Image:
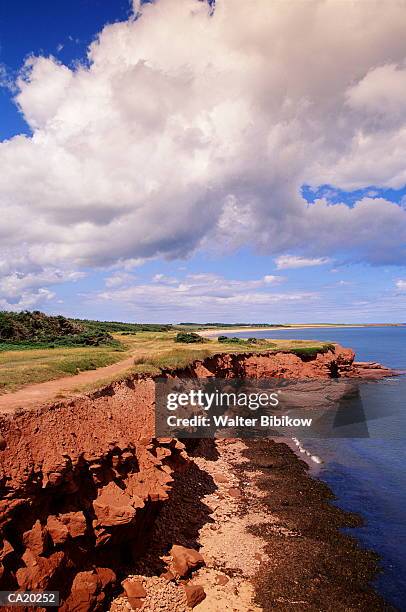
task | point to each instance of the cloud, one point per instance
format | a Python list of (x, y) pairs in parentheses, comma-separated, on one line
[(272, 278), (27, 300), (401, 285), (118, 279), (24, 284), (380, 95), (189, 128), (292, 261), (200, 295)]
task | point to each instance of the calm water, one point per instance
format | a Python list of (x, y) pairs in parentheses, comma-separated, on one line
[(369, 475)]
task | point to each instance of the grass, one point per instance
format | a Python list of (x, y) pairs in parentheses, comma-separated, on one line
[(20, 368), (152, 352)]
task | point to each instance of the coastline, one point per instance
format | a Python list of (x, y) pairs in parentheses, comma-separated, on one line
[(266, 529), (207, 333), (268, 533)]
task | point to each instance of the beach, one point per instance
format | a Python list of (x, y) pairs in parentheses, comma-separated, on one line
[(268, 534)]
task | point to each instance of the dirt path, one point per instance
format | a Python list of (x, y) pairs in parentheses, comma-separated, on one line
[(42, 393)]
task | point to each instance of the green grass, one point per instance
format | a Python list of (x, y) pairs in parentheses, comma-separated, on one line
[(21, 368), (311, 351), (173, 359), (152, 352)]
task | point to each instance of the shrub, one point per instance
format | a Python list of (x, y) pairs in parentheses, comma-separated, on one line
[(232, 340), (35, 329), (188, 338)]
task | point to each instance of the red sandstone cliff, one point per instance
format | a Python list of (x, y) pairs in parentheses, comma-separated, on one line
[(82, 480)]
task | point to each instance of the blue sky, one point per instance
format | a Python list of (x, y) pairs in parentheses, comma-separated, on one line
[(62, 29), (168, 174)]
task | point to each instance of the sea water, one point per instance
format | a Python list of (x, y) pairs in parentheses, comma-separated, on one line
[(368, 476)]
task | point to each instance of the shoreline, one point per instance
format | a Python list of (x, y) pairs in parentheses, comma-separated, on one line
[(327, 568), (268, 533), (206, 333), (250, 507)]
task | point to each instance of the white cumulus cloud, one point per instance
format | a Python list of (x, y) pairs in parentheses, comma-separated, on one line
[(189, 127)]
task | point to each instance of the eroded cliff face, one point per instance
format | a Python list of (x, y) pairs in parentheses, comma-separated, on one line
[(83, 480)]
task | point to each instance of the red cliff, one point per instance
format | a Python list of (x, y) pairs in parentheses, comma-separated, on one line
[(83, 480)]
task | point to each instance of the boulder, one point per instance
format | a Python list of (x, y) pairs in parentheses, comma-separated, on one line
[(87, 591), (113, 507), (57, 530), (184, 560), (35, 539), (75, 523), (134, 589), (168, 576), (38, 570), (194, 594), (234, 492)]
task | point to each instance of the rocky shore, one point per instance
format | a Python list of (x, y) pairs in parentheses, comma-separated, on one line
[(94, 506), (268, 537)]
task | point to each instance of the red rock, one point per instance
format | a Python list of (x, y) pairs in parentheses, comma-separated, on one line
[(113, 506), (220, 478), (75, 523), (87, 592), (222, 579), (135, 602), (57, 530), (106, 576), (34, 539), (184, 560), (53, 478), (234, 492), (194, 594), (168, 576), (202, 371), (135, 592), (6, 550), (134, 588), (88, 582), (84, 593), (162, 452), (38, 570)]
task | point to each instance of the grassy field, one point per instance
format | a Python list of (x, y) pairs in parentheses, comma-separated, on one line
[(19, 368), (151, 351)]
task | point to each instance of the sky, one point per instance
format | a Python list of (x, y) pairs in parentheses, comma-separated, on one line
[(186, 161)]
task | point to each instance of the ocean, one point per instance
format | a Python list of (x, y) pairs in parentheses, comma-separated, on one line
[(368, 476)]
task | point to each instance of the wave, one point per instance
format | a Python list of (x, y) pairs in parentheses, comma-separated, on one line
[(302, 449)]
